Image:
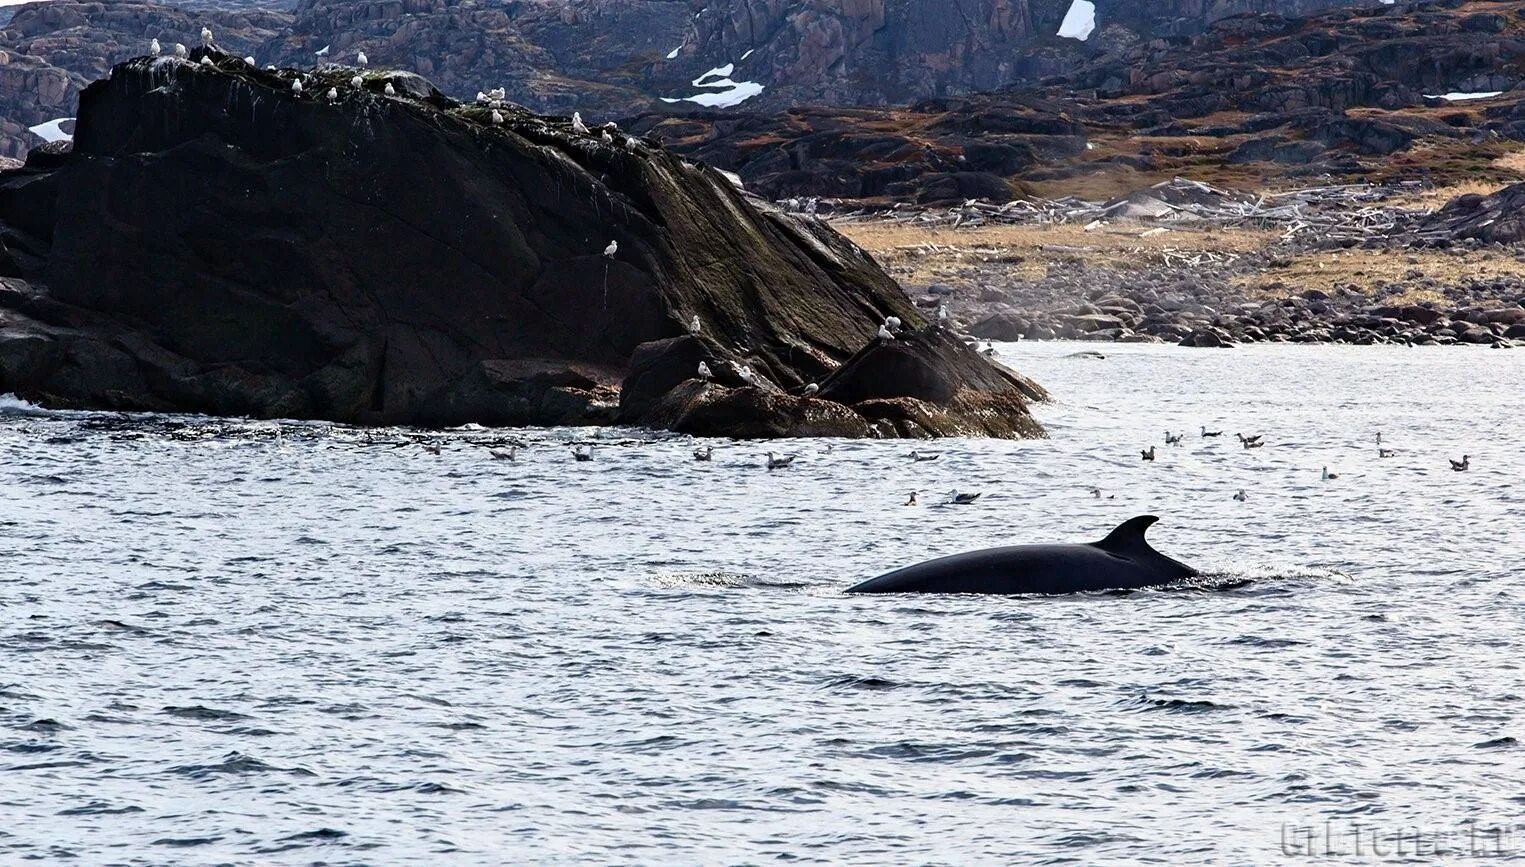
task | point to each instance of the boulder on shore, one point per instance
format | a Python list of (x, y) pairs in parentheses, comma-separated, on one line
[(221, 241)]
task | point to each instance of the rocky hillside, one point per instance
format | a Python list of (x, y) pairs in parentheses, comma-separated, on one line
[(359, 247), (1256, 99), (609, 58)]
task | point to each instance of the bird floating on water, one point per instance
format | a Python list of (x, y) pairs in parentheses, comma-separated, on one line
[(1328, 475), (1386, 453), (154, 48), (389, 90), (1462, 465), (705, 372), (884, 333), (361, 59), (1379, 438), (1241, 496), (1253, 443), (1147, 454), (206, 36), (911, 501), (778, 462), (1247, 440), (496, 117), (1096, 492), (811, 389), (507, 454), (582, 453), (609, 251), (1173, 439), (433, 448), (923, 457), (957, 499), (1211, 433), (357, 82), (577, 125), (180, 50), (704, 454)]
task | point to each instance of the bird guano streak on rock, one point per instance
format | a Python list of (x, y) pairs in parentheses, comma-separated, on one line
[(406, 260)]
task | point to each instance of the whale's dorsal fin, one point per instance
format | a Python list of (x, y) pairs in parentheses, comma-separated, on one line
[(1128, 538)]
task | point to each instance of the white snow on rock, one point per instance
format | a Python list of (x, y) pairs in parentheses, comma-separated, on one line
[(674, 53), (723, 92), (748, 54), (53, 130), (1458, 97), (1080, 21)]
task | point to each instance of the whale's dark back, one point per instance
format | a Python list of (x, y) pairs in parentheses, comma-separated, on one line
[(1123, 560)]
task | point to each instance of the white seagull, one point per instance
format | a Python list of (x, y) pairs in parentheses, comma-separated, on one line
[(1328, 475), (357, 81), (296, 86), (389, 90), (206, 36), (180, 50), (333, 94), (942, 314), (498, 93), (694, 325), (745, 372), (893, 322), (884, 333), (249, 60), (609, 251), (361, 59), (496, 117), (577, 125), (154, 48), (606, 138), (630, 143), (811, 388), (704, 371)]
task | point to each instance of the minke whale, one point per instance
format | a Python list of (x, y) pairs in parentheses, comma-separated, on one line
[(1122, 561)]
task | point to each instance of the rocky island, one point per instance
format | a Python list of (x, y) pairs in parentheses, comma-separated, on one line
[(355, 246)]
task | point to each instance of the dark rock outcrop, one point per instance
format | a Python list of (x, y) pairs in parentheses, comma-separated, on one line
[(220, 241), (1493, 219)]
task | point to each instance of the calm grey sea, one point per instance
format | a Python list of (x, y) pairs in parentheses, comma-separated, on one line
[(228, 642)]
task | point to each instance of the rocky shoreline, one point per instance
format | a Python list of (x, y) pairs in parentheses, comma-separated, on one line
[(1428, 278)]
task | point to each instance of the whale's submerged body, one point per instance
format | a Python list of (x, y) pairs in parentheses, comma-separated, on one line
[(1122, 561)]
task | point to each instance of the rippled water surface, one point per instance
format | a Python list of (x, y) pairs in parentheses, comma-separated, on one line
[(230, 642)]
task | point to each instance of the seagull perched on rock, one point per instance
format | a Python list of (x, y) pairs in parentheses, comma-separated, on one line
[(609, 251), (694, 325), (296, 87), (892, 323), (206, 36), (357, 82), (606, 138), (957, 499), (154, 48), (704, 371), (249, 60), (811, 389), (1462, 465), (496, 117), (884, 333), (180, 50), (361, 59), (630, 143), (389, 90), (778, 462), (577, 125), (206, 60), (507, 454), (333, 94), (498, 94), (942, 314), (704, 454), (745, 372)]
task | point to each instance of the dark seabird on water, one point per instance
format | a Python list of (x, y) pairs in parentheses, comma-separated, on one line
[(1462, 465), (959, 499), (704, 454), (778, 462), (1148, 454)]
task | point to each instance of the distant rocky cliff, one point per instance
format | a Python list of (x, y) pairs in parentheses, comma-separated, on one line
[(608, 58)]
